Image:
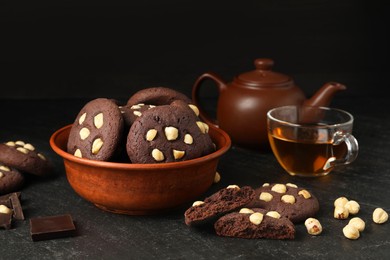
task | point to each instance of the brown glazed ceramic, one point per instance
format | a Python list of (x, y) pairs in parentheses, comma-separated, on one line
[(243, 104), (140, 189)]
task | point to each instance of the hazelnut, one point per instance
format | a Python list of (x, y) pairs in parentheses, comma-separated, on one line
[(246, 211), (41, 156), (157, 155), (266, 184), (137, 113), (204, 128), (380, 216), (82, 118), (201, 126), (197, 203), (29, 147), (97, 145), (4, 168), (10, 143), (265, 196), (22, 150), (151, 134), (351, 232), (233, 187), (188, 139), (291, 185), (313, 226), (352, 206), (98, 120), (5, 210), (217, 177), (357, 223), (305, 194), (21, 143), (84, 133), (279, 188), (77, 153), (341, 212), (273, 214), (195, 109), (256, 218), (138, 106), (340, 201), (178, 154), (288, 199), (171, 133)]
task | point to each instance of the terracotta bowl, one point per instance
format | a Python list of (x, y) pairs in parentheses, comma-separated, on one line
[(140, 189)]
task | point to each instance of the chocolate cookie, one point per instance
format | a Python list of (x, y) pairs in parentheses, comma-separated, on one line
[(168, 133), (151, 97), (10, 179), (292, 202), (221, 202), (97, 130), (24, 157), (255, 223), (157, 96), (131, 112)]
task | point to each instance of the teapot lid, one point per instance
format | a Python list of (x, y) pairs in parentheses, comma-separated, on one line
[(263, 76)]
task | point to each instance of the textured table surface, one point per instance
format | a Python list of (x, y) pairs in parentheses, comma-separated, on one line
[(103, 235)]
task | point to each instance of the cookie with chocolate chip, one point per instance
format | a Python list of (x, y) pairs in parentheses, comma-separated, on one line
[(97, 131), (223, 201), (10, 179), (168, 133), (289, 200), (24, 157)]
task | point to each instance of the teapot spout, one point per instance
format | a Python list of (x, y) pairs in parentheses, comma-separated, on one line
[(325, 94)]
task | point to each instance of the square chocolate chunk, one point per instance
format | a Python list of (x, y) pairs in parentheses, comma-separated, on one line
[(51, 227)]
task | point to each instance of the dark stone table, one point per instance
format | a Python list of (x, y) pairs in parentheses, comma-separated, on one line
[(103, 235)]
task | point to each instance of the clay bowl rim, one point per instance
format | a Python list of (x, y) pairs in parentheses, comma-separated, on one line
[(137, 166)]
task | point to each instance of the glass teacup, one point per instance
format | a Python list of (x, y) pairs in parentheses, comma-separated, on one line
[(311, 141)]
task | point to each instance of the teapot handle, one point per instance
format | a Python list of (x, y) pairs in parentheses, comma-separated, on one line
[(195, 95)]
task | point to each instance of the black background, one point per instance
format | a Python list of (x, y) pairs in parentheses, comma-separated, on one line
[(71, 49)]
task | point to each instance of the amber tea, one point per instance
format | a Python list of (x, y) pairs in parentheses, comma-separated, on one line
[(305, 158), (311, 141)]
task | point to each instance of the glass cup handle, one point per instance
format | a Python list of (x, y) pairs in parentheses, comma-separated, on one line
[(352, 149)]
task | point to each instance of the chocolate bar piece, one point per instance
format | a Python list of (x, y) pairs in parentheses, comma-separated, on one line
[(16, 206), (5, 220), (51, 227), (7, 196), (11, 201)]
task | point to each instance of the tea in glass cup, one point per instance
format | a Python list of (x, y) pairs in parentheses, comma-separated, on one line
[(311, 141)]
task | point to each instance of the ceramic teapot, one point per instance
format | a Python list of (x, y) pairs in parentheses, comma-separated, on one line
[(243, 103)]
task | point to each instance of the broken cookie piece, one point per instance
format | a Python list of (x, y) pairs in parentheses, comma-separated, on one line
[(255, 223), (221, 202)]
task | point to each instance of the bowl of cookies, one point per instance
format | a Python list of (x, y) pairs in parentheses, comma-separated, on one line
[(147, 156)]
